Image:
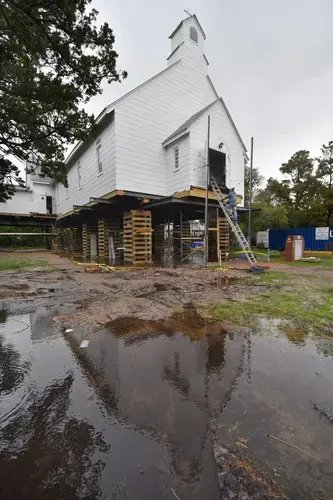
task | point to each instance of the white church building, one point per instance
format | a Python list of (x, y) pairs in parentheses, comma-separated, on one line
[(154, 137), (150, 152)]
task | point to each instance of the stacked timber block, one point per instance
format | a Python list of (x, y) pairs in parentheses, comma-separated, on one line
[(89, 230), (85, 242), (138, 237), (109, 240), (223, 238), (159, 239), (76, 241)]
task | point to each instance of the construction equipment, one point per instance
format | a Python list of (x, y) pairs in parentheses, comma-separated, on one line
[(235, 228)]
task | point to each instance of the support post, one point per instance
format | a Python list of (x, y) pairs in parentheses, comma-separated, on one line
[(85, 243), (207, 186), (250, 192)]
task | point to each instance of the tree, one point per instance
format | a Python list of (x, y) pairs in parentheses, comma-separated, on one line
[(53, 59), (298, 173), (269, 217), (257, 180), (325, 174)]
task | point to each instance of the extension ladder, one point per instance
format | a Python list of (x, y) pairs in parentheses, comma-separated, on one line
[(235, 227)]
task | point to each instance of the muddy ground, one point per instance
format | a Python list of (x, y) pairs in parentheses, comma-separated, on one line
[(212, 410), (152, 294)]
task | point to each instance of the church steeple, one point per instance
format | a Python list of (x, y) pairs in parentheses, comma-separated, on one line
[(188, 40)]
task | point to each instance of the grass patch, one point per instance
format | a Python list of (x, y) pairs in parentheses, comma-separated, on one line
[(303, 311), (17, 263), (277, 277), (275, 256), (326, 262)]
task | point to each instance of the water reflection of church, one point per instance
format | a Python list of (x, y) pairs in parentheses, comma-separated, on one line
[(168, 386)]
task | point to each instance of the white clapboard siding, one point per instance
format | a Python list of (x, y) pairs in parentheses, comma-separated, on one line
[(92, 183), (178, 180), (221, 131), (34, 200), (147, 117)]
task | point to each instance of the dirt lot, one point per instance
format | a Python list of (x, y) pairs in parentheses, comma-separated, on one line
[(151, 294), (225, 375)]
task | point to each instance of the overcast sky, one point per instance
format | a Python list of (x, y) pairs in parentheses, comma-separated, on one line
[(272, 62)]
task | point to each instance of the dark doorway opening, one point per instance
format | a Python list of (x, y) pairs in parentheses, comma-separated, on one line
[(217, 164), (49, 205)]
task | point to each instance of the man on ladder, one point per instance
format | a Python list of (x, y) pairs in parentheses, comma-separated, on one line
[(231, 206)]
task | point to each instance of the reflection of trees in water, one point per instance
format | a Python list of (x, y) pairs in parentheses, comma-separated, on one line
[(12, 371), (55, 456)]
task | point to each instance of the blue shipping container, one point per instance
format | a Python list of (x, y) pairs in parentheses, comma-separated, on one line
[(277, 238)]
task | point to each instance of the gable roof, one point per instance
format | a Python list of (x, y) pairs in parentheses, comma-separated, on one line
[(182, 22), (110, 108), (184, 127), (227, 112), (188, 123)]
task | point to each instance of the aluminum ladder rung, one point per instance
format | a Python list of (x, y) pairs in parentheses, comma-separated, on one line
[(235, 227)]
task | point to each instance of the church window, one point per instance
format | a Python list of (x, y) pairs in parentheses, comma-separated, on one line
[(176, 157), (193, 34)]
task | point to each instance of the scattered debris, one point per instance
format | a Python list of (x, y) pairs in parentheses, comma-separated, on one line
[(84, 343), (294, 446), (173, 491), (239, 443), (239, 479), (322, 412)]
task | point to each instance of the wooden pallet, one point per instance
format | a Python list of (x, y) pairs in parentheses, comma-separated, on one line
[(108, 228), (76, 240), (137, 237), (223, 239), (85, 242)]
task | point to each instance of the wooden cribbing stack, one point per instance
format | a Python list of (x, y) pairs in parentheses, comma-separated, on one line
[(222, 238), (108, 227), (138, 237)]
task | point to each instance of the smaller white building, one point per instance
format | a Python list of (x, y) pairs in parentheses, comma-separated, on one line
[(37, 197)]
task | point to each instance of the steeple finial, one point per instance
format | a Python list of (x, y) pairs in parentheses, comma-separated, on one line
[(187, 11)]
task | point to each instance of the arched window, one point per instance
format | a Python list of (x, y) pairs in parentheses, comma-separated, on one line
[(193, 34)]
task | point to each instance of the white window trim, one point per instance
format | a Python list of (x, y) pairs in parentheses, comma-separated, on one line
[(176, 158), (79, 176), (196, 43), (98, 155)]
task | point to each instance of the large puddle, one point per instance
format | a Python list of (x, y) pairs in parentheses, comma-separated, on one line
[(129, 416)]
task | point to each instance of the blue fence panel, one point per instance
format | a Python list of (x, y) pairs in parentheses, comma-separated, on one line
[(277, 238)]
